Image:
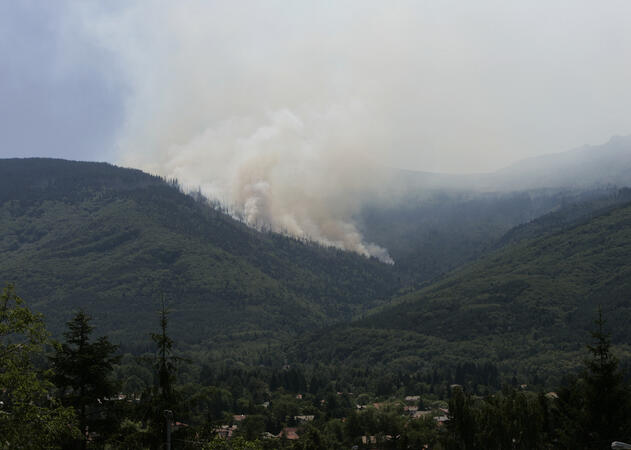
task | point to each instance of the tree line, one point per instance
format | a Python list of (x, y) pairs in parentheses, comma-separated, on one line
[(66, 395)]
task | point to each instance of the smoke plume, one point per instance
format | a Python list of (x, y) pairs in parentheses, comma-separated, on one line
[(264, 129), (284, 110), (277, 171)]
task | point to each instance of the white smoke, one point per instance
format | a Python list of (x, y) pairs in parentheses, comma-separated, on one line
[(279, 171), (282, 109), (285, 144)]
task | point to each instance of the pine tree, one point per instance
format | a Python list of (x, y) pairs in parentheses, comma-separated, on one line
[(462, 421), (607, 400), (165, 362), (161, 401), (83, 371), (594, 409)]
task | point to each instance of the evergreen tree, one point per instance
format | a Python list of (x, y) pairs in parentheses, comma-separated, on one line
[(165, 362), (462, 421), (594, 409), (607, 401), (161, 402), (83, 371)]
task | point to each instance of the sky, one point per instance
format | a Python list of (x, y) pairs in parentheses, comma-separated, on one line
[(439, 86), (281, 108)]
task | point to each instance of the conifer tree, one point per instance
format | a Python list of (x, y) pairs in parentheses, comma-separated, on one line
[(161, 403), (83, 371), (607, 400), (461, 424), (165, 362), (594, 409)]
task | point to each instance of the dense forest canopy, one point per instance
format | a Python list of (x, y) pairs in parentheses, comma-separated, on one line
[(270, 335)]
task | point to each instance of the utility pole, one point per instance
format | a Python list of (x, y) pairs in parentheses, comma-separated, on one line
[(168, 416)]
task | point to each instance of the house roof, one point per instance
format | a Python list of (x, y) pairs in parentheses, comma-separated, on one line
[(289, 433)]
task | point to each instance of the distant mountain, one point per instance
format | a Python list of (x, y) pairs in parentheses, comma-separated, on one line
[(591, 165), (433, 223), (113, 240), (431, 235), (527, 306), (586, 167)]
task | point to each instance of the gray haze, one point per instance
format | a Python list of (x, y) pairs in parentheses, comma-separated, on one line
[(285, 109)]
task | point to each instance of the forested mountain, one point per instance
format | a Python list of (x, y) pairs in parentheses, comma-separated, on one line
[(265, 319), (432, 223), (526, 306), (432, 233), (113, 241)]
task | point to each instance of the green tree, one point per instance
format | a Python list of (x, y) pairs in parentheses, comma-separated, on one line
[(162, 396), (311, 438), (420, 432), (461, 425), (594, 409), (607, 402), (252, 426), (29, 418), (237, 443), (512, 420), (82, 374), (165, 362)]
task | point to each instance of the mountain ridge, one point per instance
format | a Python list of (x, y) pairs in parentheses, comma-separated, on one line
[(70, 239), (525, 306)]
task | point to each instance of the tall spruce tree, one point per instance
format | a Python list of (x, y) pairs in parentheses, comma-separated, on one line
[(162, 397), (594, 409), (165, 362), (82, 373), (607, 400), (462, 421)]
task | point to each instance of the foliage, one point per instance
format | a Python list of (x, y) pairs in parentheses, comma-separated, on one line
[(88, 235), (237, 443), (507, 420), (435, 231), (590, 411), (523, 307), (82, 374), (80, 231), (595, 408), (265, 319), (165, 362), (160, 404), (28, 417)]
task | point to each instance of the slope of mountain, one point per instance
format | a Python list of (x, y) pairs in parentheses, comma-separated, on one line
[(430, 236), (527, 306), (112, 241), (433, 223)]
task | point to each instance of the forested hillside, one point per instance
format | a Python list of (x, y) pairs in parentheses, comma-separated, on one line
[(433, 223), (430, 233), (525, 306), (264, 319), (113, 241)]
